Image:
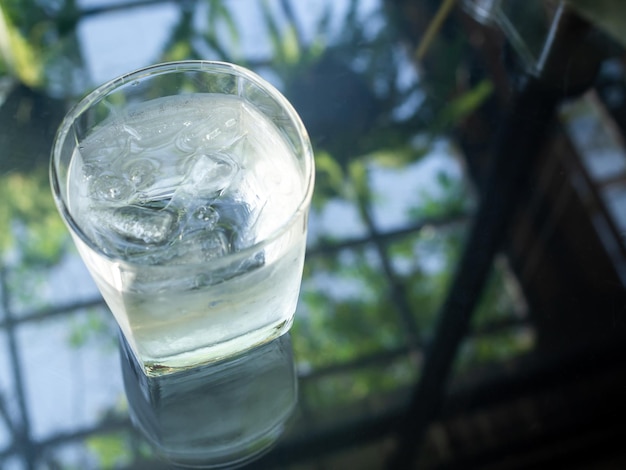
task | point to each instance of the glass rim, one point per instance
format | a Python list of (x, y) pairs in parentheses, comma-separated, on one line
[(106, 88)]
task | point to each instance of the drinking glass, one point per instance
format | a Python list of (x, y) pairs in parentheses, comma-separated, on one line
[(186, 188)]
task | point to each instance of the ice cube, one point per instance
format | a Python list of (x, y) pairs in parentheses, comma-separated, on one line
[(201, 245), (213, 230), (214, 131), (212, 277), (142, 224), (213, 173), (111, 188), (106, 146), (89, 171), (141, 172), (207, 176), (215, 244), (237, 219)]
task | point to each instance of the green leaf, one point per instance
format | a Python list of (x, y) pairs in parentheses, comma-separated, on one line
[(222, 13), (111, 450), (219, 14), (608, 15), (398, 156), (274, 33), (27, 204), (290, 45), (19, 53), (329, 174), (77, 338), (359, 179), (179, 50), (463, 106)]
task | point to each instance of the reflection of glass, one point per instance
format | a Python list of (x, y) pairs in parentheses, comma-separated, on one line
[(222, 414), (186, 188)]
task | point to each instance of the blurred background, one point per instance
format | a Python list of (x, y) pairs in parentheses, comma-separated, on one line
[(463, 302)]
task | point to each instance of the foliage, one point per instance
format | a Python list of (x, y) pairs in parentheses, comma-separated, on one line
[(462, 106), (110, 450), (346, 311), (17, 55), (96, 327), (356, 385), (501, 298), (34, 39), (425, 262), (608, 15), (451, 199), (494, 348), (34, 228)]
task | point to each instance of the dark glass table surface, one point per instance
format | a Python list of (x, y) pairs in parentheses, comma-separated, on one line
[(463, 301)]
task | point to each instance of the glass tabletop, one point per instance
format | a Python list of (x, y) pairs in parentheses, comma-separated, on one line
[(463, 302)]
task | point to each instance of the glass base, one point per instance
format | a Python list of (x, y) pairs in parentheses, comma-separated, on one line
[(213, 353)]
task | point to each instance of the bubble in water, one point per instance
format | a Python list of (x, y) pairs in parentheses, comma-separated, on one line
[(142, 173), (111, 188), (207, 215)]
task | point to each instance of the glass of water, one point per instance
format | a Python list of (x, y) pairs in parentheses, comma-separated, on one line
[(186, 189)]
